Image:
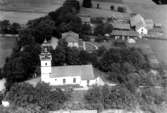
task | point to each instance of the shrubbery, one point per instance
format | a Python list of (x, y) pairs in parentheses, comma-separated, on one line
[(9, 28), (116, 98), (24, 95)]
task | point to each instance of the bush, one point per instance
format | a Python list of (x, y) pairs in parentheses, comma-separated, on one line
[(87, 3), (121, 9), (118, 97), (112, 7), (24, 95), (120, 43)]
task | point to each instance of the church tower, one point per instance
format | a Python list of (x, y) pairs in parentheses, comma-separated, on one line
[(46, 62)]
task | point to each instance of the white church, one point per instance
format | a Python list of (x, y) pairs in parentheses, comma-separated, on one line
[(81, 75)]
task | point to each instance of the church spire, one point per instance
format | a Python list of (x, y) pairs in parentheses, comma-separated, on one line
[(45, 50)]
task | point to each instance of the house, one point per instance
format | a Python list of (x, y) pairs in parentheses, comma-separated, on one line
[(141, 29), (71, 38), (138, 22), (122, 34), (80, 75)]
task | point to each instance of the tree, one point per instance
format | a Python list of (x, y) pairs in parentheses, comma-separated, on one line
[(87, 3), (73, 56), (25, 37), (59, 55), (24, 95), (117, 97), (111, 7), (72, 4), (4, 26), (99, 30), (86, 29), (94, 95), (42, 28), (121, 9), (14, 28), (107, 28)]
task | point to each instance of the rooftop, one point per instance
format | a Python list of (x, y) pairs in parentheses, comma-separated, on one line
[(85, 71), (121, 25), (124, 33)]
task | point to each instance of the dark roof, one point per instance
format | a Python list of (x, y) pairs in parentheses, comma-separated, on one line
[(124, 33), (121, 25)]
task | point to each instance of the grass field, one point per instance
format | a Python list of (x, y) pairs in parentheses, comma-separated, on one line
[(23, 10), (6, 46)]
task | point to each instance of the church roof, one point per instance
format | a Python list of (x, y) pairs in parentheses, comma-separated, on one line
[(86, 72)]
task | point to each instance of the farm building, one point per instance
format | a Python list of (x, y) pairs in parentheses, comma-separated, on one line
[(82, 75), (121, 26), (122, 34), (138, 22)]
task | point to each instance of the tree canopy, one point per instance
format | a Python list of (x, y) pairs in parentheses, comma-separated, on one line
[(24, 94)]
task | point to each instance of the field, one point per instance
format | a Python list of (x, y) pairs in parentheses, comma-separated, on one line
[(23, 10), (6, 46), (20, 17)]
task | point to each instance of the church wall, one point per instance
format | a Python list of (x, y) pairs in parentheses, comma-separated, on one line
[(68, 80), (73, 44), (45, 78)]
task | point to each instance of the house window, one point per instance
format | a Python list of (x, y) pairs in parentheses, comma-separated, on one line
[(64, 81), (74, 80), (55, 79), (45, 64)]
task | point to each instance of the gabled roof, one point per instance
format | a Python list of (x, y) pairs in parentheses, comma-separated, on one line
[(121, 26), (124, 33), (86, 72), (137, 20)]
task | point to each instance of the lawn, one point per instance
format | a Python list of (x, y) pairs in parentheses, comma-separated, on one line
[(20, 17), (6, 46), (31, 5)]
